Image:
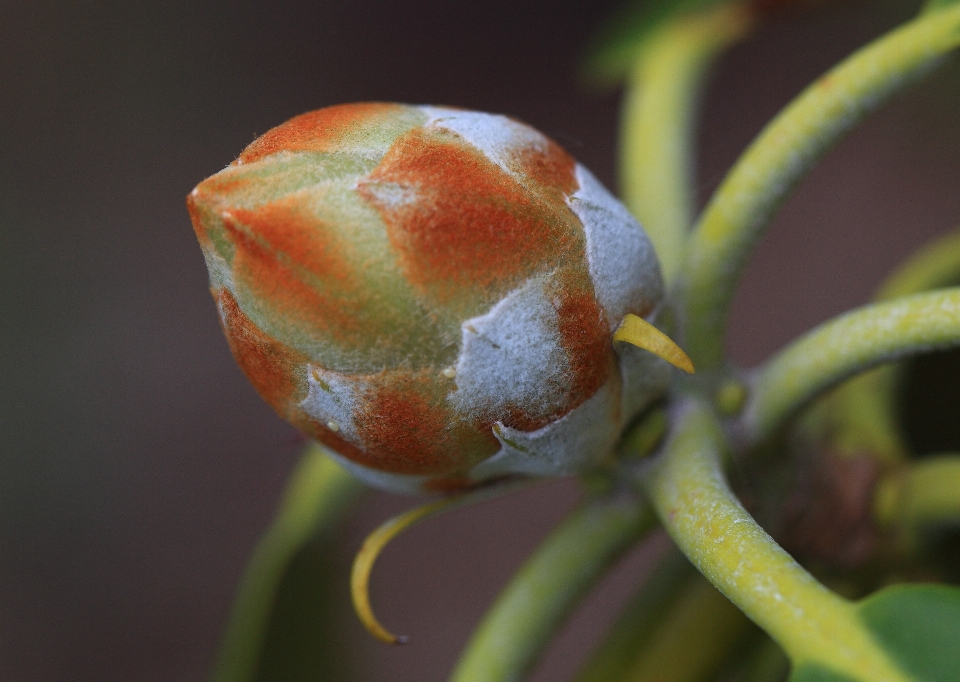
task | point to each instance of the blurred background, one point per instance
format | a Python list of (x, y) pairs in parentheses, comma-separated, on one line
[(138, 467)]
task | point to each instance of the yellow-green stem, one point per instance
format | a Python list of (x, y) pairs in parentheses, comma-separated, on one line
[(778, 159), (691, 496), (657, 123), (926, 492), (528, 612), (860, 416), (843, 346)]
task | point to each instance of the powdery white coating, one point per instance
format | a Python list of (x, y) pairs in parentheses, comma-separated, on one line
[(496, 136), (390, 194), (332, 397), (566, 446), (512, 355), (623, 265), (221, 275)]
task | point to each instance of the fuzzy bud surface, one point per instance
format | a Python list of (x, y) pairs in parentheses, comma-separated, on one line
[(430, 292)]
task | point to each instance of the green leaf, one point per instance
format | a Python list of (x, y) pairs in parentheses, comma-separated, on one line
[(277, 587), (809, 672), (304, 639), (916, 626), (934, 5), (615, 44), (919, 627)]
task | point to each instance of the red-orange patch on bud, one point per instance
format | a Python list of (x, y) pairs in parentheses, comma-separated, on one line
[(279, 251), (471, 224), (315, 131), (404, 433), (270, 366), (586, 339), (553, 168)]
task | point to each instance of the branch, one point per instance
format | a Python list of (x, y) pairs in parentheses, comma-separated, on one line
[(860, 416), (781, 156), (528, 612), (844, 346), (927, 492), (691, 496), (657, 122)]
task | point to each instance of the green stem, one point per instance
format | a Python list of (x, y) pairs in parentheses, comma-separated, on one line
[(844, 346), (860, 416), (926, 492), (691, 496), (651, 641), (528, 612), (779, 158), (316, 498), (934, 265), (657, 123), (610, 661)]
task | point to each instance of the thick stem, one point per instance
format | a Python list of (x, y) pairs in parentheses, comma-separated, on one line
[(657, 123), (691, 496), (316, 498), (528, 612), (781, 156), (844, 346)]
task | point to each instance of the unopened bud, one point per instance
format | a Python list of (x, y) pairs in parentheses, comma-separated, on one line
[(430, 292)]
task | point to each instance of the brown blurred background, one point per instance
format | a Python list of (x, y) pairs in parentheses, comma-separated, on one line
[(138, 467)]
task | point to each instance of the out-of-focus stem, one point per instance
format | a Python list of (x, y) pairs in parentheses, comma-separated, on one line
[(691, 496), (528, 612), (844, 346), (316, 499), (925, 492), (652, 640), (780, 157), (656, 147)]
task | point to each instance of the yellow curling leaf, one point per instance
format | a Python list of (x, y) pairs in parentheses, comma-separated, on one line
[(369, 551), (378, 539), (641, 333)]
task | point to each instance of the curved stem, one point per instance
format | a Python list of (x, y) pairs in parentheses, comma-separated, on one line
[(784, 152), (528, 612), (843, 346), (860, 416), (926, 492), (316, 498), (691, 496), (657, 121)]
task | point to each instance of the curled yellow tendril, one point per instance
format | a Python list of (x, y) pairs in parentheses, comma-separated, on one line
[(641, 333), (378, 539)]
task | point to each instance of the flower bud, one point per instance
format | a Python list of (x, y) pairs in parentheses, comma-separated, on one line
[(430, 292)]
